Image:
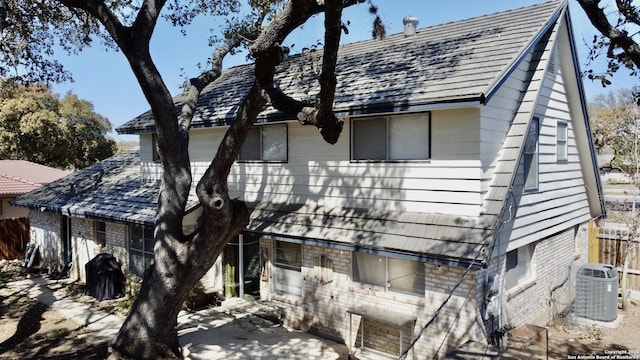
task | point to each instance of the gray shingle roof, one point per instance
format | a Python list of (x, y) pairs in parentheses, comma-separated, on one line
[(458, 61), (110, 189), (439, 235), (450, 62)]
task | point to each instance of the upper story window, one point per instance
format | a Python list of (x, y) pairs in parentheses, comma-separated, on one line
[(562, 148), (389, 274), (394, 137), (265, 143), (531, 162), (101, 233)]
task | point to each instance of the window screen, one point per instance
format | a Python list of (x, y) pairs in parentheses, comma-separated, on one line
[(265, 143), (370, 139), (287, 269), (396, 137), (391, 274)]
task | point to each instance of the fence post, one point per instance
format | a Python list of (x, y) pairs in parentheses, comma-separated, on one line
[(594, 242)]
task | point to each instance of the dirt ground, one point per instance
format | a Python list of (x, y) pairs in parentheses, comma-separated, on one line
[(571, 340), (30, 330)]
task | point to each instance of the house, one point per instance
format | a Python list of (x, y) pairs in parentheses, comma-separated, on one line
[(18, 177), (455, 204)]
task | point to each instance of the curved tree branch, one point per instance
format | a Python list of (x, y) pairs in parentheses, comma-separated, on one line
[(197, 84), (330, 126), (618, 38), (269, 54)]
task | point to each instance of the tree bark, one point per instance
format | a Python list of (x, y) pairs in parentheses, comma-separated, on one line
[(618, 38), (180, 260)]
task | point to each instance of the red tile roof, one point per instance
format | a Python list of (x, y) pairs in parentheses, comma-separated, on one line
[(20, 176)]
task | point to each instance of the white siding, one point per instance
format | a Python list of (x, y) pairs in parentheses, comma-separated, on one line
[(561, 199), (497, 116), (322, 174)]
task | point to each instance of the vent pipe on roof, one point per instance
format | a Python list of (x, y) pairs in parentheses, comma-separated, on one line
[(410, 23)]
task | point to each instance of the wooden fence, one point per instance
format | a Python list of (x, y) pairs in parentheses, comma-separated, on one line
[(14, 236), (608, 244)]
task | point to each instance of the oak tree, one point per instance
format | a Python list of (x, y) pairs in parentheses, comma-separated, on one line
[(181, 259), (37, 126)]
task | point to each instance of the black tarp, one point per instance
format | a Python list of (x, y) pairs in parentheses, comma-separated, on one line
[(105, 279)]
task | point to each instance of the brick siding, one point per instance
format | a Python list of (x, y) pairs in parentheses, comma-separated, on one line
[(556, 261), (322, 309)]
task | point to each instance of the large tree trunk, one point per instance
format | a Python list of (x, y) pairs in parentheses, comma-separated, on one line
[(149, 332)]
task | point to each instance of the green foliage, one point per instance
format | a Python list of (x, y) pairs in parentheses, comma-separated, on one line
[(615, 123), (37, 126)]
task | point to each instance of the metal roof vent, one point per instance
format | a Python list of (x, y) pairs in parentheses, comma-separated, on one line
[(410, 23)]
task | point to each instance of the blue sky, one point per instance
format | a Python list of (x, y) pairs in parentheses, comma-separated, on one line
[(105, 79)]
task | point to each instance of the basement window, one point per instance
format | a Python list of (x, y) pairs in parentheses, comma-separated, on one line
[(265, 143), (389, 274), (391, 138)]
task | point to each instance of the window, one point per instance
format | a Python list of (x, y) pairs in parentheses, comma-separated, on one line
[(390, 274), (287, 269), (398, 137), (141, 243), (519, 269), (531, 156), (265, 143), (101, 233), (562, 149), (154, 148), (322, 269)]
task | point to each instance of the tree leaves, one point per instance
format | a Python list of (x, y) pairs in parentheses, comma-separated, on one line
[(36, 126), (620, 41), (614, 124)]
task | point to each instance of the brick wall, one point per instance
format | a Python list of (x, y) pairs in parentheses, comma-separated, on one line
[(322, 309), (86, 248), (556, 261), (45, 232)]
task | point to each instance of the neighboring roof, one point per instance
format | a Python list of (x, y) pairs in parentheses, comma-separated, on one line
[(455, 62), (20, 176)]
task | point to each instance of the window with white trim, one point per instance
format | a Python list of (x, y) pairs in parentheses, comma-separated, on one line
[(265, 143), (287, 269), (531, 156), (395, 137), (562, 148), (519, 267), (389, 274), (141, 242)]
